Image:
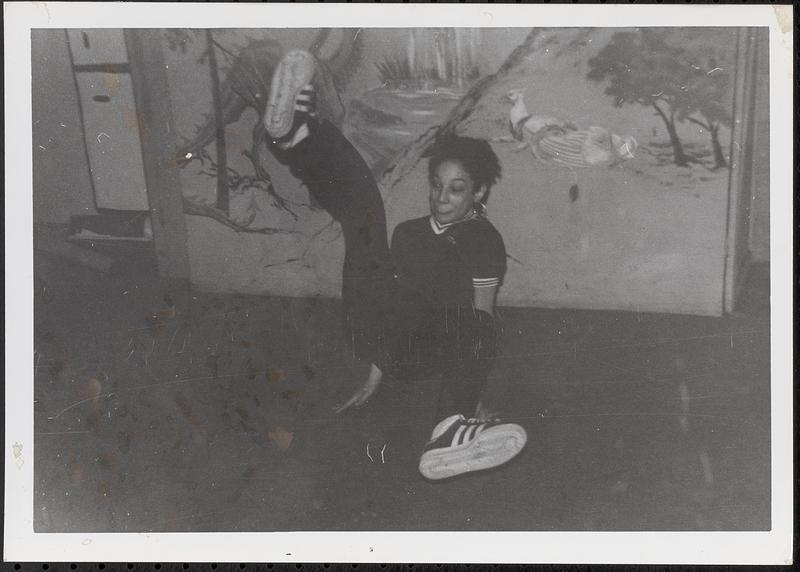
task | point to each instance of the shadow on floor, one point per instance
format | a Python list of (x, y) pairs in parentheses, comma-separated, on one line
[(160, 410)]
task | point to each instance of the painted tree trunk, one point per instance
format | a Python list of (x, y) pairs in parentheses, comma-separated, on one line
[(441, 66), (458, 59), (411, 54), (679, 155), (677, 147), (473, 46), (719, 156), (223, 199)]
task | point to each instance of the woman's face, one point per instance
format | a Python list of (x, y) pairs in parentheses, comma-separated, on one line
[(453, 192)]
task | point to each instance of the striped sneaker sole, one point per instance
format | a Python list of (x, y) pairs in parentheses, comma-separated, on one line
[(295, 71), (491, 448)]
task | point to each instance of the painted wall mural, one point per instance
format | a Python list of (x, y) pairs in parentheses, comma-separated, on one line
[(677, 73), (597, 129)]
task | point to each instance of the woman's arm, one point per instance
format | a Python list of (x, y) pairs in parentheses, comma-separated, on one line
[(362, 395), (484, 298)]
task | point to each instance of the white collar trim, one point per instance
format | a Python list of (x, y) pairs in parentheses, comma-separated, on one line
[(439, 228)]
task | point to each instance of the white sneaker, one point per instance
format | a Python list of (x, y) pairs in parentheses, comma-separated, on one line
[(460, 445), (290, 90)]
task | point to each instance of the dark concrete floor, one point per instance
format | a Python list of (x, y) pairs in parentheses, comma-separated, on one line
[(218, 417)]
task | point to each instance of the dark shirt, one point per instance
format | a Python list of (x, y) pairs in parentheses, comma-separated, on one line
[(442, 268)]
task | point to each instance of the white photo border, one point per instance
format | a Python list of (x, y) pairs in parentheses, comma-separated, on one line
[(22, 544)]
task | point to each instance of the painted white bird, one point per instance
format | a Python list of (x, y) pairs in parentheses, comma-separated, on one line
[(528, 128), (556, 140)]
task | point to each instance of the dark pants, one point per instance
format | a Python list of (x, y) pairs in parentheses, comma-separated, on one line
[(457, 342), (338, 180), (396, 330)]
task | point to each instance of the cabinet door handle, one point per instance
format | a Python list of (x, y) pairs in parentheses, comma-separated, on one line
[(85, 37), (101, 98)]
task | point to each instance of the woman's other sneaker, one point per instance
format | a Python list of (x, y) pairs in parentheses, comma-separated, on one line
[(460, 445)]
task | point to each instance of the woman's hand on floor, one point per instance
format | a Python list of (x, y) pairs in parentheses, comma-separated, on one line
[(367, 390)]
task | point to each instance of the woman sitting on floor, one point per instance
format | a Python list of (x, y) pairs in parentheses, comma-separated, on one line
[(435, 290)]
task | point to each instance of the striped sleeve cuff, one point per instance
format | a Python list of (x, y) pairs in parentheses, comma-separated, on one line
[(485, 282)]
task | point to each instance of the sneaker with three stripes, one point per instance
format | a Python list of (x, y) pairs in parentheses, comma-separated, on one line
[(459, 445), (291, 97)]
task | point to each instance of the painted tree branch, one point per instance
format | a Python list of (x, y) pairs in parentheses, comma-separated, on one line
[(199, 209), (412, 155), (223, 199), (246, 85), (265, 177), (700, 123)]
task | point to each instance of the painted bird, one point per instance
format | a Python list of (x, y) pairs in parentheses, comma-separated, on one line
[(555, 140), (528, 128)]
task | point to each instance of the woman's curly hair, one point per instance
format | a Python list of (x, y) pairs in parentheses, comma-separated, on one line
[(475, 155)]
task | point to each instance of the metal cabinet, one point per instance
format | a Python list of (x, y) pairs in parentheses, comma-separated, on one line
[(97, 46), (111, 124)]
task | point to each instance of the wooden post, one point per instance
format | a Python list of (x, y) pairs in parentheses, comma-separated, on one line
[(154, 112), (758, 238), (740, 187)]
